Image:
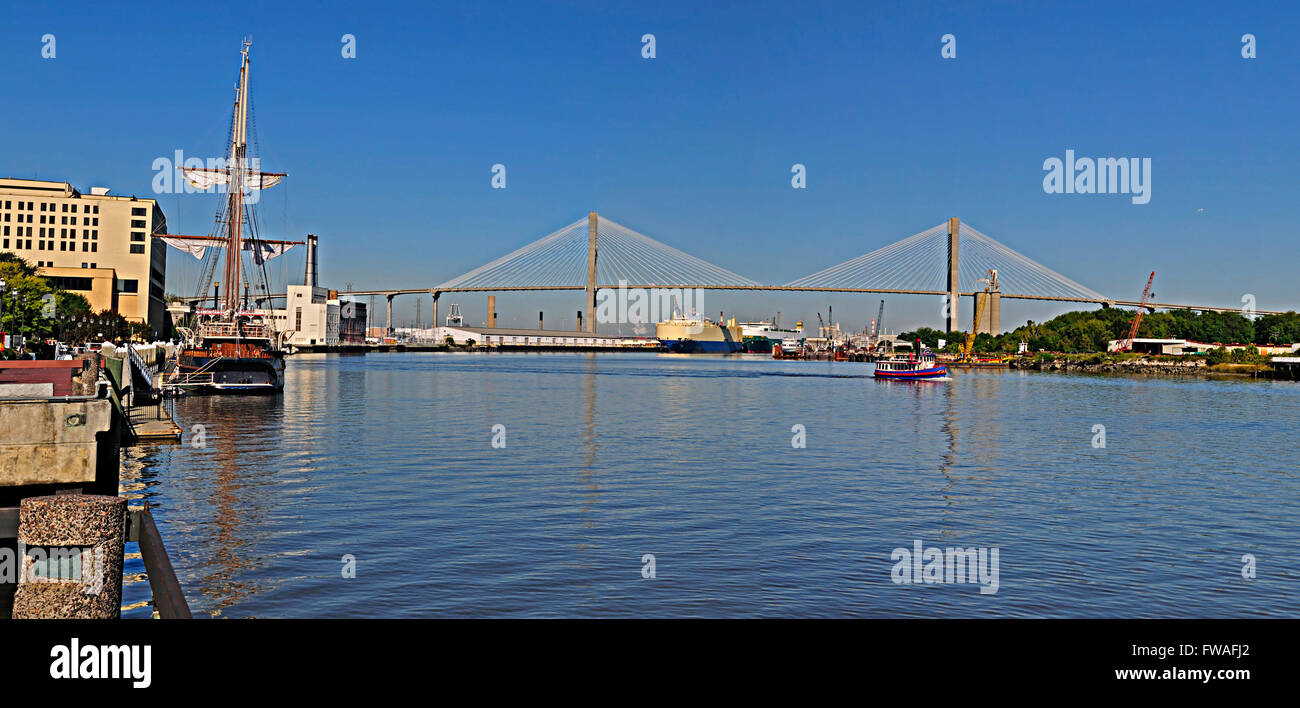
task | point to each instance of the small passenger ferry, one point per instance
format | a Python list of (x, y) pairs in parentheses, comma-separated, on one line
[(913, 367)]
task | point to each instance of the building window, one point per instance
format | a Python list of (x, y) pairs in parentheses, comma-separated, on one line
[(137, 223), (94, 248), (137, 211), (135, 247), (297, 320), (71, 283), (137, 236), (128, 286)]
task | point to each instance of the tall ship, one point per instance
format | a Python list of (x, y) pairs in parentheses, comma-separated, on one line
[(698, 335), (233, 346)]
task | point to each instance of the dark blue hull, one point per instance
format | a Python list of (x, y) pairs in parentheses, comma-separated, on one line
[(691, 346)]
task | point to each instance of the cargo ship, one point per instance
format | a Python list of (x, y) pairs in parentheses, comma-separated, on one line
[(697, 335), (760, 337)]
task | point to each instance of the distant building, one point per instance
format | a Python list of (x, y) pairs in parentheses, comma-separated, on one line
[(1179, 347), (352, 322), (310, 316), (97, 245)]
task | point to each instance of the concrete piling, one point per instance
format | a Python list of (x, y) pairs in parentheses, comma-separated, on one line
[(71, 564)]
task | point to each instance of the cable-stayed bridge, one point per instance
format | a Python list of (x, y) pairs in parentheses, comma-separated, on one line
[(949, 260)]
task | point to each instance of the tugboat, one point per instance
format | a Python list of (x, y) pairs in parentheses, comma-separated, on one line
[(232, 347), (915, 367)]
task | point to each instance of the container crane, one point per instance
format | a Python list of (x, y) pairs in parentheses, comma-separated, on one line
[(1126, 344)]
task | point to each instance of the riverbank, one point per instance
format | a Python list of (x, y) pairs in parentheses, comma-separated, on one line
[(1098, 363)]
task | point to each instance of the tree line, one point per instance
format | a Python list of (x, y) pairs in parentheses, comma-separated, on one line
[(1092, 330), (36, 309)]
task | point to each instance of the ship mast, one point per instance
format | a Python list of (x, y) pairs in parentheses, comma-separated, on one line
[(235, 192)]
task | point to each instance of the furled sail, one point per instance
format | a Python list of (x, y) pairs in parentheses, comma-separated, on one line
[(206, 178), (197, 246)]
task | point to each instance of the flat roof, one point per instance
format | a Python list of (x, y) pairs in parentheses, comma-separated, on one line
[(533, 332)]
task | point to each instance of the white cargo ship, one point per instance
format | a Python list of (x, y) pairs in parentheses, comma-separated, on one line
[(697, 335)]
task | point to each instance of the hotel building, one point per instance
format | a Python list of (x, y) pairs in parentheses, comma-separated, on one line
[(97, 245)]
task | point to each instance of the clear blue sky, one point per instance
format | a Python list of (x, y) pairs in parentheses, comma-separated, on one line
[(694, 148)]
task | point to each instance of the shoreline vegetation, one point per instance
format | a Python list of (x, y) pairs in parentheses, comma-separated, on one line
[(1128, 363), (1078, 341)]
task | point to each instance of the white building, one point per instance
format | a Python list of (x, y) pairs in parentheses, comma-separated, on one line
[(310, 318)]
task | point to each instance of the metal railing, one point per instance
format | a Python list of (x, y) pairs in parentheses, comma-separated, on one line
[(244, 331), (176, 379), (168, 599)]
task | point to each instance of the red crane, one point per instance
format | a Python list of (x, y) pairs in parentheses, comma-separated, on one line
[(1126, 343)]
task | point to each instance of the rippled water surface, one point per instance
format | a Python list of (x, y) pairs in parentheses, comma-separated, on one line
[(388, 458)]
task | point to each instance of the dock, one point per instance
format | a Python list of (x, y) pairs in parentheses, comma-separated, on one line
[(62, 424)]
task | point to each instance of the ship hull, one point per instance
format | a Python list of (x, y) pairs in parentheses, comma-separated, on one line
[(934, 372), (694, 346), (232, 375)]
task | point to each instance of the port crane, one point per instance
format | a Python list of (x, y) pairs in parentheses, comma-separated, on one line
[(990, 284), (1126, 344)]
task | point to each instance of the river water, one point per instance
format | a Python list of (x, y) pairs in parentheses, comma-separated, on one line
[(759, 487)]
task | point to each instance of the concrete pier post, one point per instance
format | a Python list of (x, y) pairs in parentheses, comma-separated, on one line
[(390, 313), (539, 321), (492, 311), (72, 565), (435, 309), (953, 325), (991, 319), (591, 272)]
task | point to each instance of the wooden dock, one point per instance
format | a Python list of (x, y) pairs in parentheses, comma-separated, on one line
[(152, 424)]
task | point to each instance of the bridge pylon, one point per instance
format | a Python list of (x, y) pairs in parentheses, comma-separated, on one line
[(954, 291), (590, 320)]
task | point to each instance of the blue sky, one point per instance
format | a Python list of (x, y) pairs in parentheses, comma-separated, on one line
[(695, 147)]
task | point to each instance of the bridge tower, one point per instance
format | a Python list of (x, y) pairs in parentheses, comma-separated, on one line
[(954, 226), (590, 320)]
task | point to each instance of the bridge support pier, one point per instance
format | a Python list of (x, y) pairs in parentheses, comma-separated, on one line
[(492, 311), (990, 321), (390, 313), (435, 308)]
